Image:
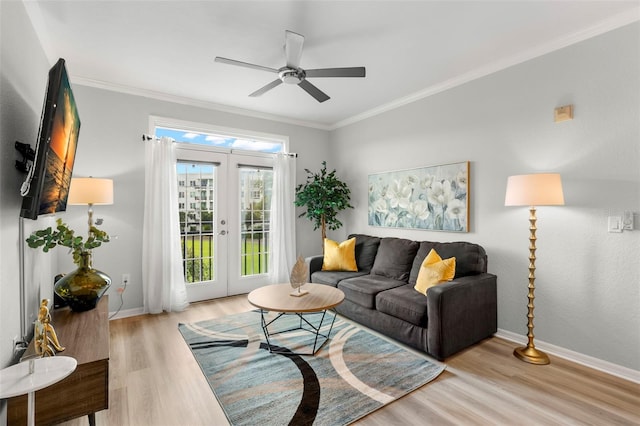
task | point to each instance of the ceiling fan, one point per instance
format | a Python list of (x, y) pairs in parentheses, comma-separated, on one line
[(291, 73)]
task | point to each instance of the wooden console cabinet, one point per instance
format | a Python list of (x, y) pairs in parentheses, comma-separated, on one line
[(85, 336)]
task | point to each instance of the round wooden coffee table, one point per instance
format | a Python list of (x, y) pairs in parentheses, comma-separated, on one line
[(277, 298)]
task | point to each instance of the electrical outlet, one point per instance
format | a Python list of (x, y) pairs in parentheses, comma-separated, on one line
[(126, 279)]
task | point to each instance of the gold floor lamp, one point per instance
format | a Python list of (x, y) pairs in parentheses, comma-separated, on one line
[(542, 189)]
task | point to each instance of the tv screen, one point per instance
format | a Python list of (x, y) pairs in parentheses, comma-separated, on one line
[(46, 188)]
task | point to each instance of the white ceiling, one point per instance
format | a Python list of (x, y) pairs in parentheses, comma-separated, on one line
[(410, 49)]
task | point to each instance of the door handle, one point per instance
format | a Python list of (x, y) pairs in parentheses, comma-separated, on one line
[(223, 232)]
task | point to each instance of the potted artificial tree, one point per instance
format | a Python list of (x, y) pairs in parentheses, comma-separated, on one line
[(324, 196)]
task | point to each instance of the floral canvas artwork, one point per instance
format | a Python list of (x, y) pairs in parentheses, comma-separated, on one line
[(431, 198)]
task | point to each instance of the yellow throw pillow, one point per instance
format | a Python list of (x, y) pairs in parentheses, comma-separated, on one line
[(434, 270), (340, 257), (432, 257)]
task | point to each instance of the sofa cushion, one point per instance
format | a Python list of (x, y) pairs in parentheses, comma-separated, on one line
[(339, 256), (471, 258), (333, 277), (435, 270), (395, 258), (404, 303), (363, 290), (366, 249)]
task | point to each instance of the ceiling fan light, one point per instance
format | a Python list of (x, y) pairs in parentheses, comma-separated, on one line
[(291, 76)]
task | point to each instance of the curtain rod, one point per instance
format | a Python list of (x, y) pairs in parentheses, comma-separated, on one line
[(146, 137)]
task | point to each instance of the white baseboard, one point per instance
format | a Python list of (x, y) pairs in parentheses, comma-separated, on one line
[(588, 361), (126, 313)]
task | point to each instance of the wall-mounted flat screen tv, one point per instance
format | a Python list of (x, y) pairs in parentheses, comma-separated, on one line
[(46, 188)]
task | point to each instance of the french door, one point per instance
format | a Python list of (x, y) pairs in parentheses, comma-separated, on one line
[(224, 204)]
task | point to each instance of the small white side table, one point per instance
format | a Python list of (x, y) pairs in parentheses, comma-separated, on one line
[(35, 374)]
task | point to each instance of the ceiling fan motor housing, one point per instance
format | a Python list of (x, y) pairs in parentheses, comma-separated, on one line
[(291, 75)]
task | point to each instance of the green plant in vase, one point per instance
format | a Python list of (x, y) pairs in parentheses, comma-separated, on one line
[(324, 196), (82, 288)]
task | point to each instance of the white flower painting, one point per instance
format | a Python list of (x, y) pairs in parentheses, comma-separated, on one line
[(432, 198)]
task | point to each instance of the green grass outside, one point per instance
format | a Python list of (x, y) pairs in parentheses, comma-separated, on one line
[(253, 258)]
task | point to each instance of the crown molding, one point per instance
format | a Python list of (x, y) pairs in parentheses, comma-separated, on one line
[(610, 24), (83, 81)]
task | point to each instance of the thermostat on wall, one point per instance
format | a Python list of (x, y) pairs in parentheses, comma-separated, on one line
[(563, 113)]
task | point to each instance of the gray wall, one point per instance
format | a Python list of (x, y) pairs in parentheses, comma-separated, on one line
[(110, 145), (23, 74), (587, 280)]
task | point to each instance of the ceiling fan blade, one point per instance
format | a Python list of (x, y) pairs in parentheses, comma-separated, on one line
[(314, 91), (293, 43), (337, 72), (244, 64), (266, 88)]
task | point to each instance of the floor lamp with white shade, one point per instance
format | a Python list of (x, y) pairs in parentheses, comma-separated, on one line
[(541, 189)]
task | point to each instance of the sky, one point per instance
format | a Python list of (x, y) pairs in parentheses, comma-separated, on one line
[(219, 140)]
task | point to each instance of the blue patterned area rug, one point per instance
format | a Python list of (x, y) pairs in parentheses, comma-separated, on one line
[(353, 374)]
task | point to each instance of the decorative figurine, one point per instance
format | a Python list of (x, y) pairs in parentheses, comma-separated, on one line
[(45, 337), (298, 277)]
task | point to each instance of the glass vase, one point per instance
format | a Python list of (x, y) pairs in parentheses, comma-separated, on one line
[(83, 288)]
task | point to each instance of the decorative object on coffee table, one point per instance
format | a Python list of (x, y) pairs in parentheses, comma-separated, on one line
[(542, 189), (324, 196), (298, 277)]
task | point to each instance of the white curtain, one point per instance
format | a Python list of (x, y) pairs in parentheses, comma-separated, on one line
[(282, 244), (163, 285)]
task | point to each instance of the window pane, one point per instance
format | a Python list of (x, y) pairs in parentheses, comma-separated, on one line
[(195, 207), (255, 205)]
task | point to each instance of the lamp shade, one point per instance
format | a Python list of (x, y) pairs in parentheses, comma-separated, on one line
[(541, 189), (90, 190)]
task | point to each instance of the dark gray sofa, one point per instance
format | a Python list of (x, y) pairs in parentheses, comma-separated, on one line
[(380, 295)]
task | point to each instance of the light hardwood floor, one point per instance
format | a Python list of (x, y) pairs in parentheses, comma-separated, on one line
[(154, 380)]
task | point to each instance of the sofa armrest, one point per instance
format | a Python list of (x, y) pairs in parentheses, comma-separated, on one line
[(314, 264), (461, 313)]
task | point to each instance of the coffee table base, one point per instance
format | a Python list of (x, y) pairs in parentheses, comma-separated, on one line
[(319, 340)]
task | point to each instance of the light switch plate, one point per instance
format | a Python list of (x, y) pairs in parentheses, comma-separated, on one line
[(627, 221), (615, 224)]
